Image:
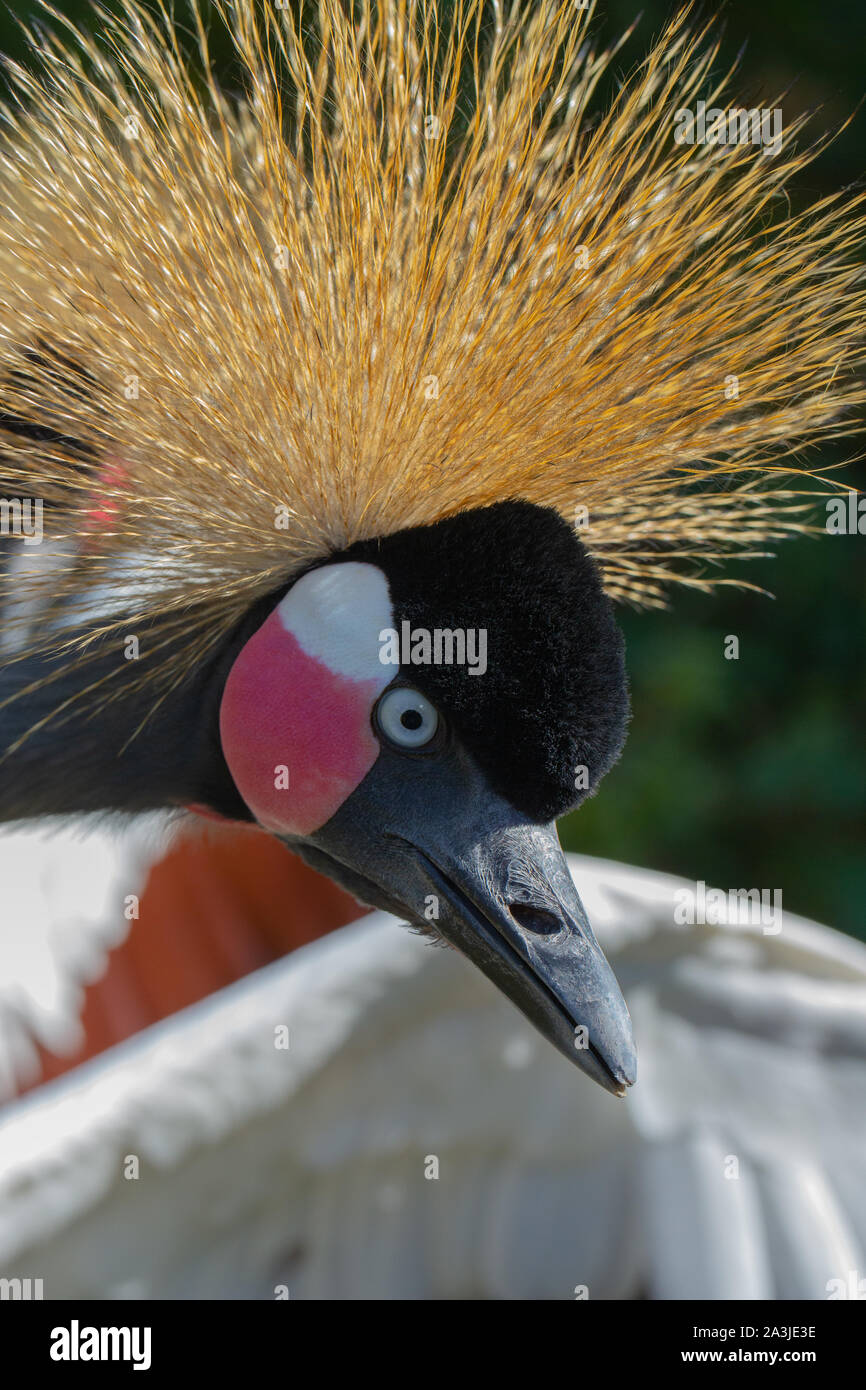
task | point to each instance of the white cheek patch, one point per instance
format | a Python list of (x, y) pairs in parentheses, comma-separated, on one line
[(336, 614)]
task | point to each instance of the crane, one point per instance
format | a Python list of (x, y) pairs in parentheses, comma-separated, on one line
[(349, 415), (414, 1137)]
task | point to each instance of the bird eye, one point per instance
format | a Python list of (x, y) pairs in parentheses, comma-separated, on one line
[(406, 717)]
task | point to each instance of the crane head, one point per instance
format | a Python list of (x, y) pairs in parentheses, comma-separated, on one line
[(411, 717), (257, 385)]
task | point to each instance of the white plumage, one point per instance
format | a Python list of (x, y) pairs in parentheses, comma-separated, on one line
[(64, 887), (734, 1169)]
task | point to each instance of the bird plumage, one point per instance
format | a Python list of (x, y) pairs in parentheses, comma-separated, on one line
[(399, 333), (733, 1170), (404, 274)]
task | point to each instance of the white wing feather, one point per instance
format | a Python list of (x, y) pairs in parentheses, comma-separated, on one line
[(62, 909), (733, 1170)]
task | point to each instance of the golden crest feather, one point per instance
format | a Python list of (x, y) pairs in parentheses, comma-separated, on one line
[(403, 274)]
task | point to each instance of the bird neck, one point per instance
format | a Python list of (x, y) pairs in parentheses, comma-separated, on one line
[(60, 754)]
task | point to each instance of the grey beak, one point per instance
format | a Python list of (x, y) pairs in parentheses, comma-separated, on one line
[(501, 891), (511, 907)]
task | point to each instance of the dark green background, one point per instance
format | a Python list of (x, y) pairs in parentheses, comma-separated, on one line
[(748, 773), (752, 773)]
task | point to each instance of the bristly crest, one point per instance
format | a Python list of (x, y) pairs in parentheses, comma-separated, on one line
[(404, 275)]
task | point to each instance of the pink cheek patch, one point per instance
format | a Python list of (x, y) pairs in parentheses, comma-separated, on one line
[(296, 734), (105, 511)]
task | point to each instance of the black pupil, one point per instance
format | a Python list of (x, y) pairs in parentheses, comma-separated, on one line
[(411, 719)]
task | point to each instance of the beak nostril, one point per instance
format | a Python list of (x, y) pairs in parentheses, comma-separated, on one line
[(535, 919)]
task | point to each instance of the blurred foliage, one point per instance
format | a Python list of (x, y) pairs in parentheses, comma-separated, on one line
[(747, 773), (752, 773)]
